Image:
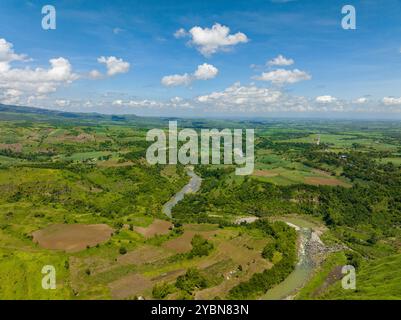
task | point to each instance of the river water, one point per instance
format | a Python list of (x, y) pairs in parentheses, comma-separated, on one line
[(305, 266), (193, 185), (302, 272)]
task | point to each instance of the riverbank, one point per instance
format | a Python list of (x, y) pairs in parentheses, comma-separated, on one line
[(192, 186), (311, 251)]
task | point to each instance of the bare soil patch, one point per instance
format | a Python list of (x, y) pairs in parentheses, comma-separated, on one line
[(265, 173), (129, 286), (246, 220), (324, 182), (241, 251), (169, 276), (84, 137), (334, 276), (68, 137), (144, 254), (15, 147), (244, 251), (322, 172), (72, 237), (157, 227), (114, 164), (182, 244)]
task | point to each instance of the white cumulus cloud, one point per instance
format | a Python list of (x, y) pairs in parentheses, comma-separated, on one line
[(280, 60), (62, 103), (325, 99), (244, 99), (203, 72), (180, 33), (282, 76), (8, 55), (114, 65), (206, 71), (95, 74), (177, 80), (22, 85), (211, 40), (361, 100), (174, 103), (391, 101)]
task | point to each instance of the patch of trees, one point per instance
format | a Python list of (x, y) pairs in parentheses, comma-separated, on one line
[(187, 283), (162, 290), (191, 280), (31, 156), (218, 196), (286, 147), (284, 242), (315, 158), (135, 155), (374, 200), (200, 247), (110, 192)]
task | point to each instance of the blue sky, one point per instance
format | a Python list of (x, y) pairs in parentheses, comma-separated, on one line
[(333, 71)]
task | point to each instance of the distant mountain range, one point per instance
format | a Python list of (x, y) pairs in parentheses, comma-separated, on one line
[(20, 113), (60, 114)]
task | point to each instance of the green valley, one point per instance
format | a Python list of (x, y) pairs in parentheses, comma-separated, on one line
[(77, 193)]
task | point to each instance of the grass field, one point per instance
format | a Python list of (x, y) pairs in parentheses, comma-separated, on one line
[(375, 280), (79, 195), (282, 170), (21, 275)]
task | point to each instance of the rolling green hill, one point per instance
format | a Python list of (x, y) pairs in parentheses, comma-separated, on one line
[(63, 170), (377, 279)]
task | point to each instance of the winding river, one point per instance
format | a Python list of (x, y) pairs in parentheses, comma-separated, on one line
[(193, 185), (303, 270), (309, 248), (309, 243)]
